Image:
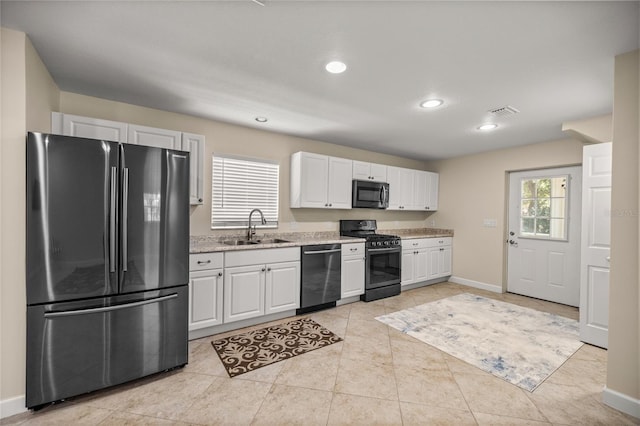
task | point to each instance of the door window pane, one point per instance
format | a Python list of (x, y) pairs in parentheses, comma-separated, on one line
[(543, 207)]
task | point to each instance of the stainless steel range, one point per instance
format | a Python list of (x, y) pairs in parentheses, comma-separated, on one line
[(383, 258)]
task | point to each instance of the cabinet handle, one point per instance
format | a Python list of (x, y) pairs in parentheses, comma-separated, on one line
[(268, 269), (353, 249), (200, 262), (330, 205), (441, 249), (264, 269), (219, 274), (199, 200)]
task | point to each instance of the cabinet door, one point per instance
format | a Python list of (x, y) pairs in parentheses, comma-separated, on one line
[(314, 178), (421, 265), (432, 191), (395, 187), (151, 136), (445, 261), (194, 144), (401, 188), (282, 287), (378, 172), (420, 189), (361, 170), (205, 298), (352, 276), (244, 292), (339, 183), (87, 127), (408, 267)]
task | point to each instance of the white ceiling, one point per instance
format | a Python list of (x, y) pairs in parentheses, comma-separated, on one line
[(235, 60)]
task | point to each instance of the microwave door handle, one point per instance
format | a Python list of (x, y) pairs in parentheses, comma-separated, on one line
[(384, 196)]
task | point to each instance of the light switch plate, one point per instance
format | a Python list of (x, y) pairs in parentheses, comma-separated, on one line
[(490, 223)]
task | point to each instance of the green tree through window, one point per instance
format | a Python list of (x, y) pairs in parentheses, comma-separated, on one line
[(543, 207)]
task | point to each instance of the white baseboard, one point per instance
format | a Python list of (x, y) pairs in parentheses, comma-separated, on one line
[(476, 284), (12, 406), (621, 402)]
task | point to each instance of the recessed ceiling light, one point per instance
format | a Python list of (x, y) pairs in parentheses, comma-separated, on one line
[(261, 119), (431, 103), (336, 67), (487, 126)]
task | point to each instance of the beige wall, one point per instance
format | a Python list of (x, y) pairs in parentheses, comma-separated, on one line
[(623, 372), (12, 303), (230, 139), (28, 96), (472, 188)]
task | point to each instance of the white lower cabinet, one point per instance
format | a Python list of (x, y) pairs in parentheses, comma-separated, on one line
[(425, 259), (282, 289), (244, 292), (205, 290), (352, 270), (269, 282), (439, 261), (414, 262)]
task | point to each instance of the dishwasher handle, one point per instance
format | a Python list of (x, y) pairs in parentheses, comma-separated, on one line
[(322, 251)]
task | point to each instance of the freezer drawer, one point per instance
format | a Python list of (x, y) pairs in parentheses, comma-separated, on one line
[(78, 347)]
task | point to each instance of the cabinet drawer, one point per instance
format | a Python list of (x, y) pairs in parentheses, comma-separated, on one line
[(418, 243), (353, 249), (438, 242), (202, 261)]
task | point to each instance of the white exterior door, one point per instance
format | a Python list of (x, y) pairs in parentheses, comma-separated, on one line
[(596, 242), (544, 234)]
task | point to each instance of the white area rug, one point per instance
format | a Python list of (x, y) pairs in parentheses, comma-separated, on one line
[(520, 345)]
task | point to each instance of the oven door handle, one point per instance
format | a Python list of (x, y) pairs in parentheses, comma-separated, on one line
[(382, 250)]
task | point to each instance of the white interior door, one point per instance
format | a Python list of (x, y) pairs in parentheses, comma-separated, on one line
[(544, 234), (596, 242)]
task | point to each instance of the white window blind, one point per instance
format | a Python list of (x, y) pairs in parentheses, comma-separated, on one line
[(241, 185)]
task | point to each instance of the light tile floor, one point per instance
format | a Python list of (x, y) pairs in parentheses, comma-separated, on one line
[(377, 375)]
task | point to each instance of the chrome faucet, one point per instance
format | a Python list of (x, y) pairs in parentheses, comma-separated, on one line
[(252, 232)]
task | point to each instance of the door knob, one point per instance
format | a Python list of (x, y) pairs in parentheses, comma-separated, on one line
[(513, 243)]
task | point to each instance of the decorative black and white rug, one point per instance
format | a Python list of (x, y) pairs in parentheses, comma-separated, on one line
[(248, 351), (520, 345)]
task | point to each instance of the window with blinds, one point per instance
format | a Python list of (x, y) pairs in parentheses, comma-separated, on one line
[(241, 185)]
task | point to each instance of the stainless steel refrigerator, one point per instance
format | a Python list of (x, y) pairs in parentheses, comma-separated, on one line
[(106, 264)]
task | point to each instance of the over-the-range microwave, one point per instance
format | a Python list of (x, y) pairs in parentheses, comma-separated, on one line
[(371, 195)]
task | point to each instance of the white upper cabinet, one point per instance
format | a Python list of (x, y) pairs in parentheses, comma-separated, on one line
[(432, 191), (194, 144), (151, 136), (96, 128), (369, 171), (87, 127), (401, 188), (320, 181), (412, 190)]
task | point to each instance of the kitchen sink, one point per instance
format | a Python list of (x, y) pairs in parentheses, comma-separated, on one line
[(254, 242), (239, 242), (272, 241)]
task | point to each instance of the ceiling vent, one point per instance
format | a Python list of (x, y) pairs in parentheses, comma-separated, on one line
[(504, 111)]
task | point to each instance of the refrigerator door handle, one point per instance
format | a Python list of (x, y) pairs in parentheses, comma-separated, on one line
[(112, 219), (109, 308), (125, 221)]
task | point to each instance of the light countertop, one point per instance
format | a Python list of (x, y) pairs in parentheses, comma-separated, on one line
[(213, 243)]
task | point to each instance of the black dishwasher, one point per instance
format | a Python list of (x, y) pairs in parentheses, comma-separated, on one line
[(320, 281)]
